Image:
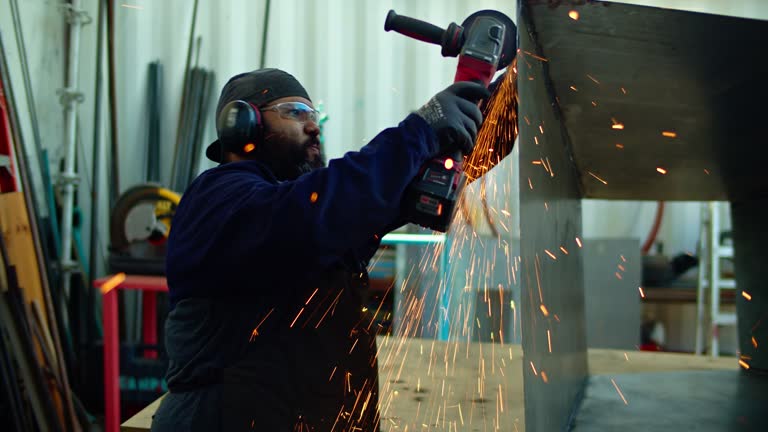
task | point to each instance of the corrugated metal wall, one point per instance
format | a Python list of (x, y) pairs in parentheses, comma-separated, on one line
[(367, 79)]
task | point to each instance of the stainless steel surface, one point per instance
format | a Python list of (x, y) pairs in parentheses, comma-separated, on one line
[(655, 71), (552, 300), (612, 270)]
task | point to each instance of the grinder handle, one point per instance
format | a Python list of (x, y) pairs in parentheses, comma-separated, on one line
[(414, 28)]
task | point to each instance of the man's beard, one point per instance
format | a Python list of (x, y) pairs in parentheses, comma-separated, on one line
[(304, 166), (290, 166)]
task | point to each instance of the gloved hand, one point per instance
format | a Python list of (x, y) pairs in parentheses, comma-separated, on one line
[(454, 115)]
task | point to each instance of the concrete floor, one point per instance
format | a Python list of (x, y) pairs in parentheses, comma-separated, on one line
[(705, 401)]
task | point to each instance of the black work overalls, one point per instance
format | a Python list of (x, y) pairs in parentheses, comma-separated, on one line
[(308, 364)]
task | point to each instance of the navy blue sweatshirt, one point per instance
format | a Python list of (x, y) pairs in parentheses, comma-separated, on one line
[(237, 228)]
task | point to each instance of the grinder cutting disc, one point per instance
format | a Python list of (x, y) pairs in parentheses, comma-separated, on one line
[(510, 34)]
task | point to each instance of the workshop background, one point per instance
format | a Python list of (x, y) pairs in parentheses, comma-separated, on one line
[(363, 78)]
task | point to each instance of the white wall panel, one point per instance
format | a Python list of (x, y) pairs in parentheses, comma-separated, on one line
[(367, 79)]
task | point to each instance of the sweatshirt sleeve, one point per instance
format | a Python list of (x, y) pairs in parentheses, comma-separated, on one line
[(334, 209)]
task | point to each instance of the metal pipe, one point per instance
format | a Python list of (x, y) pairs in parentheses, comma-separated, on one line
[(114, 162), (98, 148), (31, 107), (180, 134), (263, 59), (69, 99)]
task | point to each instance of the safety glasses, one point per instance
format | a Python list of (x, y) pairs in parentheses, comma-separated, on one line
[(298, 111)]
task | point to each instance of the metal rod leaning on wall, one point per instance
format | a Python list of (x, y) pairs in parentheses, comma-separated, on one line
[(98, 150), (114, 177), (185, 90), (200, 122), (263, 59), (154, 89), (70, 98), (30, 202), (32, 108), (49, 224)]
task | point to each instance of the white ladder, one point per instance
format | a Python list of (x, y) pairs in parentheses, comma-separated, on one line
[(710, 276)]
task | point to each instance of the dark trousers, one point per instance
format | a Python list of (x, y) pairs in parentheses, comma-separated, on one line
[(194, 411)]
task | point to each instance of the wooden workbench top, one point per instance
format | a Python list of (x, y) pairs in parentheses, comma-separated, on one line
[(473, 386)]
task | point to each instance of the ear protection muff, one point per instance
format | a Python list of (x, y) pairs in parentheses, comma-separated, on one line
[(240, 127)]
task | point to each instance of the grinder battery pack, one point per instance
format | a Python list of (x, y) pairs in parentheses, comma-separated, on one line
[(484, 43)]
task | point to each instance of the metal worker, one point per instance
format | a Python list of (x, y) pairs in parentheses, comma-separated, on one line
[(267, 261)]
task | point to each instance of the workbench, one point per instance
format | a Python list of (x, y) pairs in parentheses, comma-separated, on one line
[(475, 386)]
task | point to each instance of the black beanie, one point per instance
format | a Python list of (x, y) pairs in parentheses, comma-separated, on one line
[(258, 87)]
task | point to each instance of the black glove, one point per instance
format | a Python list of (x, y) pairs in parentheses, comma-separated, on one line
[(454, 115)]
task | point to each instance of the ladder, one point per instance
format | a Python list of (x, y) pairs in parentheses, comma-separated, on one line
[(711, 252)]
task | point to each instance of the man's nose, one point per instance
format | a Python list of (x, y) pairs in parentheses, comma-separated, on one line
[(311, 128)]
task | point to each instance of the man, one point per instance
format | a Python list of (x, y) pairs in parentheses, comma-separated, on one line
[(267, 261)]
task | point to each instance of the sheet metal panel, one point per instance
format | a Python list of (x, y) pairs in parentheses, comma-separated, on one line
[(651, 70), (554, 335)]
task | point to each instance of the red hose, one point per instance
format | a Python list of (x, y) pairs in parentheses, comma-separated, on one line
[(654, 229)]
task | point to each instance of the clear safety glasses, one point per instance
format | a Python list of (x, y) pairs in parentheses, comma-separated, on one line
[(298, 111)]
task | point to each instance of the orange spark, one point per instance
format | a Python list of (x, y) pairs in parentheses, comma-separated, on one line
[(574, 88), (544, 377), (623, 90), (549, 341), (313, 197), (310, 297), (112, 283), (497, 135), (619, 391), (619, 146), (743, 364), (661, 170), (574, 15), (297, 317), (578, 241), (256, 330), (535, 56), (706, 171), (618, 276), (534, 369), (541, 129), (669, 134), (594, 104), (551, 255), (746, 295), (754, 342), (626, 356), (530, 185), (593, 79), (536, 140), (621, 267), (565, 251), (598, 178), (642, 293), (617, 126), (622, 258), (544, 310), (536, 162)]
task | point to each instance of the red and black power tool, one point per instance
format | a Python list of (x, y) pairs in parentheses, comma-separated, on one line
[(485, 42)]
